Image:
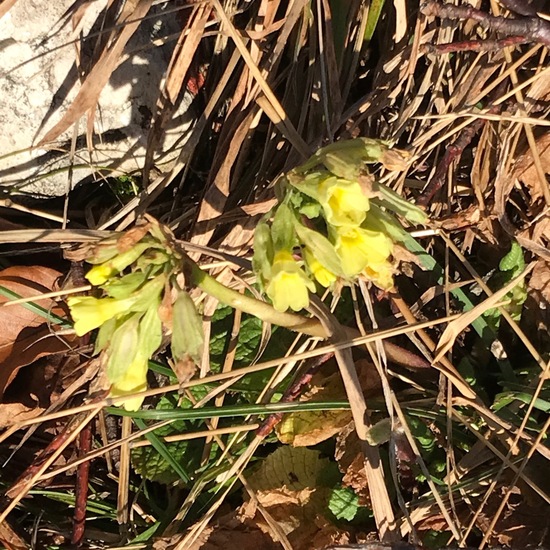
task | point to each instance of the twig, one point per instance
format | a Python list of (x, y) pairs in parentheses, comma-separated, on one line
[(81, 488), (454, 151), (533, 28), (473, 45)]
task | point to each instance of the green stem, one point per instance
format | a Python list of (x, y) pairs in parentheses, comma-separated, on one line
[(247, 304)]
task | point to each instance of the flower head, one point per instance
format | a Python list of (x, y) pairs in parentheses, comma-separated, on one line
[(89, 313), (288, 286), (322, 275), (343, 202), (101, 273), (133, 380), (359, 248)]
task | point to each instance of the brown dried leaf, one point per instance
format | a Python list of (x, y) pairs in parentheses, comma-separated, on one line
[(526, 171), (12, 413), (10, 539), (540, 279), (303, 429), (351, 462), (25, 335)]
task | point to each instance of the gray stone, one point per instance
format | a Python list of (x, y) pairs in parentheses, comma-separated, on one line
[(39, 79)]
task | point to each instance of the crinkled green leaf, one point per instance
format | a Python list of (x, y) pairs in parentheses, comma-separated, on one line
[(513, 261), (343, 503)]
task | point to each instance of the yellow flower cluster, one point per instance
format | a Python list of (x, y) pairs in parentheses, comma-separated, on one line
[(132, 275), (330, 215)]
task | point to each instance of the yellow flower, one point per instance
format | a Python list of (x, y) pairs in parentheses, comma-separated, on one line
[(359, 248), (89, 313), (289, 285), (133, 380), (343, 201), (323, 276), (100, 274), (380, 274)]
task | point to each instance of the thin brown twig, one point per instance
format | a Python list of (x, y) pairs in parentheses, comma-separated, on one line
[(454, 151), (533, 28), (81, 487), (473, 45)]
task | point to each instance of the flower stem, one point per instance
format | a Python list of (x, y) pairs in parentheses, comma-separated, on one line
[(247, 304)]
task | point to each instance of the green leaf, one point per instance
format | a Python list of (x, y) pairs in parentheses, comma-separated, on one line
[(375, 9), (513, 261), (343, 503)]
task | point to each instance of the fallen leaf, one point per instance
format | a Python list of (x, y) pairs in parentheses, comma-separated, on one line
[(10, 539), (526, 171), (303, 429), (25, 335), (351, 462), (540, 279), (13, 413)]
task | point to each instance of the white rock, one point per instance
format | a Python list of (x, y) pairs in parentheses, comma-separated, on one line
[(38, 81)]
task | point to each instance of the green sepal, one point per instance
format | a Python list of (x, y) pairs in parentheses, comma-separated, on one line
[(282, 229), (105, 334), (263, 252), (394, 202), (123, 348), (123, 287), (187, 330), (321, 247)]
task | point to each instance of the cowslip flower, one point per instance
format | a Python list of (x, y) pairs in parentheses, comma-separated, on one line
[(344, 202), (133, 381), (380, 274), (132, 345), (288, 286), (101, 273), (322, 275), (89, 313), (359, 248)]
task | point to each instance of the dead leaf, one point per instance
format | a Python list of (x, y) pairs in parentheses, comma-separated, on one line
[(24, 335), (10, 539), (351, 462), (303, 429), (540, 279), (526, 171), (13, 413)]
